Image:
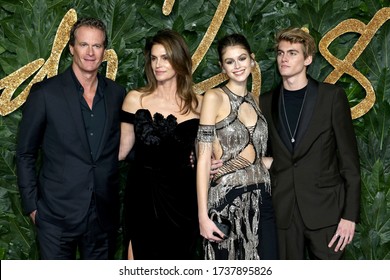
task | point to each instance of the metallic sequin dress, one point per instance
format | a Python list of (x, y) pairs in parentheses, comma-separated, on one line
[(235, 191)]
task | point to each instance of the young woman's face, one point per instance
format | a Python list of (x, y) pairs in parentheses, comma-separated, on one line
[(237, 63)]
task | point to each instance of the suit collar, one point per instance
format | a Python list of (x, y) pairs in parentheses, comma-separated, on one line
[(102, 84), (109, 116), (70, 92), (307, 112), (70, 89), (277, 125), (312, 118)]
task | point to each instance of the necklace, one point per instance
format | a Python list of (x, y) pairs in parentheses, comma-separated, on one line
[(299, 116)]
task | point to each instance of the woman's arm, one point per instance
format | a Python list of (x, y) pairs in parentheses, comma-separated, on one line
[(209, 112), (127, 140), (131, 104)]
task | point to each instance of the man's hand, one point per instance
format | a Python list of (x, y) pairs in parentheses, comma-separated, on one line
[(267, 161), (344, 233), (215, 165), (32, 215)]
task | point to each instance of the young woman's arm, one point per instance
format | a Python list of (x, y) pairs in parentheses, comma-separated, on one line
[(206, 136)]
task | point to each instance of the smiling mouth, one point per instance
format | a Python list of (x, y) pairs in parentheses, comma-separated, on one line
[(240, 72)]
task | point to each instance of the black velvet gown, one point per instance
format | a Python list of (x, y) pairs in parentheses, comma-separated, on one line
[(162, 209)]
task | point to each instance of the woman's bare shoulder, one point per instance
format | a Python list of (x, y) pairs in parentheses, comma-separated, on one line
[(132, 101), (214, 94)]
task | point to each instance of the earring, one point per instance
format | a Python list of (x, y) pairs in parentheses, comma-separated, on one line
[(252, 63), (223, 71)]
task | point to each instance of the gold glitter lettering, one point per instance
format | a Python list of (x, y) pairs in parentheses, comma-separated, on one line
[(12, 82), (204, 47), (49, 68), (167, 7), (346, 65)]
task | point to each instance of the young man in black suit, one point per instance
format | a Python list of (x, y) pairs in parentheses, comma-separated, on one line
[(315, 173), (73, 118)]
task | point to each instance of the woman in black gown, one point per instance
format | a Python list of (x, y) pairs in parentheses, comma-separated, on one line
[(161, 120)]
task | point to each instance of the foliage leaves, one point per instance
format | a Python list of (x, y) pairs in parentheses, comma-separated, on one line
[(27, 30)]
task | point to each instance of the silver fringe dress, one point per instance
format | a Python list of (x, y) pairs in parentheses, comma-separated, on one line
[(234, 193)]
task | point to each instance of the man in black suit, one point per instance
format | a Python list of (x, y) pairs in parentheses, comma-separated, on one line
[(315, 174), (74, 119)]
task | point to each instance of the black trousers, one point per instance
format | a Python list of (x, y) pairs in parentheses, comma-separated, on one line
[(299, 242), (88, 239), (267, 229)]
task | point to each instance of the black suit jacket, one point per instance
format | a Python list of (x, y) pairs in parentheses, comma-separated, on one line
[(69, 177), (321, 175)]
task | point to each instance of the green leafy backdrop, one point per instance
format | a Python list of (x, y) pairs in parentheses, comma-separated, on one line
[(28, 27)]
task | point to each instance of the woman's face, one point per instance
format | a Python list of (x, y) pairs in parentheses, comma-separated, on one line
[(162, 68), (237, 63)]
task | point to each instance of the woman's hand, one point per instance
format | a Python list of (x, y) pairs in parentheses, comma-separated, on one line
[(208, 229)]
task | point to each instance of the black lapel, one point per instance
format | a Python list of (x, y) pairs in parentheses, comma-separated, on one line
[(307, 113), (70, 94), (282, 129), (277, 116), (108, 101)]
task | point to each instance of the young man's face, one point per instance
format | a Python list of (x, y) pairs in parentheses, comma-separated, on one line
[(291, 60), (88, 50)]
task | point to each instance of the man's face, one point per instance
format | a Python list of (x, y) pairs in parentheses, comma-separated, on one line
[(291, 60), (88, 50)]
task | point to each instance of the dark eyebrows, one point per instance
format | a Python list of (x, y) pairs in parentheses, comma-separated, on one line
[(164, 55), (240, 56), (288, 51)]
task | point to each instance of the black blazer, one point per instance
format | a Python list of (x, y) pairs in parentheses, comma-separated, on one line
[(69, 177), (322, 174)]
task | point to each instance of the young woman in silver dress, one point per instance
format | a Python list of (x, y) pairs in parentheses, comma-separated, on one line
[(233, 129)]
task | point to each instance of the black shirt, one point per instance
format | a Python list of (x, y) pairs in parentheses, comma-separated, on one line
[(94, 119), (293, 105)]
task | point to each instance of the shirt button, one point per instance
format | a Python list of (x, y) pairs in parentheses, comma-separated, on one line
[(91, 134)]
